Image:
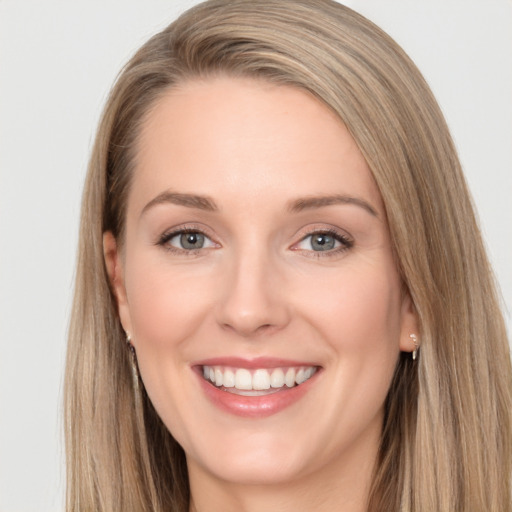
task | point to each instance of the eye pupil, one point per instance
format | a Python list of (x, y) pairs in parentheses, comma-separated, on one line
[(322, 242), (192, 240)]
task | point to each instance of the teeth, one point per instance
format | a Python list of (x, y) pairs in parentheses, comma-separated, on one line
[(259, 379), (277, 378), (229, 379), (301, 376), (289, 378), (243, 379)]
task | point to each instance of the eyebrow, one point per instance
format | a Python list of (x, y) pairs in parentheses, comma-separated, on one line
[(307, 203), (298, 205), (188, 200)]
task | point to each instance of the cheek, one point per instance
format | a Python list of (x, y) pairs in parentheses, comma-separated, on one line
[(166, 305), (358, 310), (358, 315)]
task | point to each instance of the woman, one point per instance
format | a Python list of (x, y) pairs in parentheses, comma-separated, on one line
[(282, 296)]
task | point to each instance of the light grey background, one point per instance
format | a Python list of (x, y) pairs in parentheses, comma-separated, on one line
[(58, 60)]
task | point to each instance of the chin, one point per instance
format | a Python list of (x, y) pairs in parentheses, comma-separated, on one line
[(257, 458), (264, 469)]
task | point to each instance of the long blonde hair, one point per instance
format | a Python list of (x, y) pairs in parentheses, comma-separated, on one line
[(446, 435)]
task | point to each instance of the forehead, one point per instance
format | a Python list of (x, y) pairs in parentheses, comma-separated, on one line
[(230, 137)]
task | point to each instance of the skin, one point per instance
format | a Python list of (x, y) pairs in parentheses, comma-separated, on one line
[(258, 288)]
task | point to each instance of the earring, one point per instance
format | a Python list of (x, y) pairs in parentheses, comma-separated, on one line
[(137, 387), (133, 358), (414, 339)]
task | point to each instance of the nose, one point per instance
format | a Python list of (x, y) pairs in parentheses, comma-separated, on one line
[(253, 297)]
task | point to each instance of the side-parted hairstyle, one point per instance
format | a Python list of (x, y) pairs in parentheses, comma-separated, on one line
[(446, 439)]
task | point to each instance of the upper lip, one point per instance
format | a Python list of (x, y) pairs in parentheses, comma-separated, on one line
[(257, 362)]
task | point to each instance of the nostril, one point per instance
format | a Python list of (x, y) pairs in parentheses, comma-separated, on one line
[(249, 305), (265, 327), (250, 330)]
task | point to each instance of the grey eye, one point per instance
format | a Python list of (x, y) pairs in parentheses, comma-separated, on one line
[(191, 240), (322, 242), (187, 240)]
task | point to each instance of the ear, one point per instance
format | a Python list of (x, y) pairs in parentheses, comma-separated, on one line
[(410, 324), (115, 270)]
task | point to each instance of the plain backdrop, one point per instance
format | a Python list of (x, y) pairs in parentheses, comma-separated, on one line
[(58, 60)]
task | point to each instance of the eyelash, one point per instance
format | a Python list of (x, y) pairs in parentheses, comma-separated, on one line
[(164, 239), (346, 242)]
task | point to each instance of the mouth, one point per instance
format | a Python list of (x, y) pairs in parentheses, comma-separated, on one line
[(255, 388), (259, 381)]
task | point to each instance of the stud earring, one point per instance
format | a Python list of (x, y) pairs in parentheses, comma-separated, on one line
[(414, 339)]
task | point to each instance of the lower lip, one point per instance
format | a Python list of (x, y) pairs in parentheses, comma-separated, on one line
[(255, 406)]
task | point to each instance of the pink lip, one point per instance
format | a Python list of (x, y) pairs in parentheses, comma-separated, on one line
[(253, 406), (257, 362)]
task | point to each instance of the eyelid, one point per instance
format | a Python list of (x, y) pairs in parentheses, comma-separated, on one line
[(170, 233), (345, 239), (207, 241)]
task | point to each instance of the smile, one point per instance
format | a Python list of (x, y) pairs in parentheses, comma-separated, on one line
[(255, 388), (259, 381)]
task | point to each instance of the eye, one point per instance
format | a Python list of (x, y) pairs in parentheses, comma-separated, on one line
[(324, 241), (186, 240), (321, 242)]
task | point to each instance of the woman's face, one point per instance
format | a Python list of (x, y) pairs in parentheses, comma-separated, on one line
[(257, 255)]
